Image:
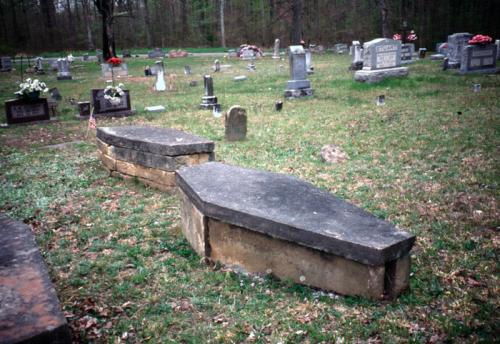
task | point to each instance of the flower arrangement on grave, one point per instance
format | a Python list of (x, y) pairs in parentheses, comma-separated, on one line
[(114, 93), (396, 37), (412, 36), (115, 61), (30, 89), (480, 40)]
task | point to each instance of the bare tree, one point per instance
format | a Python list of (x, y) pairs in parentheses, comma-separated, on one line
[(296, 21), (222, 27), (384, 14)]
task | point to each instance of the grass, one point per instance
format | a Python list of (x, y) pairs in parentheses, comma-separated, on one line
[(427, 161)]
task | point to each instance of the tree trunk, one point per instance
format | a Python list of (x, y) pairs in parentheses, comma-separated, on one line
[(106, 10), (48, 11), (296, 21), (147, 24), (384, 13), (88, 24), (222, 27)]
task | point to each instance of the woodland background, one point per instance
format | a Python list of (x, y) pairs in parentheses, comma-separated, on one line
[(34, 26)]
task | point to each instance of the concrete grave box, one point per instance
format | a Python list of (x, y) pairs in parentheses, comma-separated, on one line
[(479, 59), (29, 307), (24, 111), (381, 59), (298, 85), (103, 108), (263, 222), (151, 154)]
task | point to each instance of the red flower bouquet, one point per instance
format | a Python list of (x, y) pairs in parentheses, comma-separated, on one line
[(115, 61), (396, 37), (481, 40)]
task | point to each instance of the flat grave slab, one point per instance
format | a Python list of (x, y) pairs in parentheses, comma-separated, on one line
[(151, 154), (29, 307), (227, 209)]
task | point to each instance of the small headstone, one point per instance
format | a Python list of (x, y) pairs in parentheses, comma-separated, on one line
[(147, 71), (276, 51), (251, 67), (479, 59), (160, 77), (436, 57), (248, 54), (63, 72), (103, 107), (381, 59), (298, 86), (357, 56), (421, 53), (380, 100), (332, 154), (341, 48), (217, 111), (407, 51), (23, 111), (84, 109), (126, 53), (100, 56), (193, 83), (278, 106), (456, 43), (187, 70), (309, 67), (108, 71), (156, 53), (156, 108), (85, 57), (442, 48), (55, 94), (5, 64), (208, 100), (236, 124), (216, 66), (476, 88), (240, 78), (39, 65)]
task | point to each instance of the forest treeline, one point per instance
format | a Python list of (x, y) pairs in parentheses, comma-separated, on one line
[(55, 25)]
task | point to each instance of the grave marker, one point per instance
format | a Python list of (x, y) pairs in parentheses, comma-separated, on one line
[(24, 111), (216, 66), (478, 59), (208, 100), (236, 124), (298, 86), (357, 56), (5, 64), (104, 108), (156, 53), (407, 51), (309, 67), (39, 65), (63, 72), (187, 70), (456, 43), (160, 77), (276, 51)]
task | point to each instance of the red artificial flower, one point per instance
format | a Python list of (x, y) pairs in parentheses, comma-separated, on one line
[(481, 39), (396, 37), (115, 61), (412, 36)]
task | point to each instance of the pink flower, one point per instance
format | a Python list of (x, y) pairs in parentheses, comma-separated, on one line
[(396, 37), (481, 39)]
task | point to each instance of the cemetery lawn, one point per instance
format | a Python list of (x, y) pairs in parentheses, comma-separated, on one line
[(427, 161)]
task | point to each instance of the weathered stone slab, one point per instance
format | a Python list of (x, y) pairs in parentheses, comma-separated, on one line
[(24, 111), (29, 308), (373, 76), (161, 141), (289, 209), (236, 124)]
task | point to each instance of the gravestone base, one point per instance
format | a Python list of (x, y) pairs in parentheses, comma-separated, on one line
[(123, 113), (150, 155), (208, 102), (298, 93), (29, 308), (436, 57), (64, 77), (493, 70), (374, 76), (254, 220)]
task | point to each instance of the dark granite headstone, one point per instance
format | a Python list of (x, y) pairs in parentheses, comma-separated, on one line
[(287, 208), (103, 107), (54, 94), (29, 307), (407, 51), (23, 111), (84, 109), (208, 100), (126, 53), (236, 124), (479, 59), (156, 53), (5, 64), (421, 53)]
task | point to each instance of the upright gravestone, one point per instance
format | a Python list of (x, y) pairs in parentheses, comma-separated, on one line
[(39, 65), (421, 53), (187, 70), (340, 48), (109, 71), (381, 59), (126, 53), (479, 59), (85, 57), (24, 111), (407, 51), (236, 124), (497, 43), (83, 109), (276, 51), (63, 72), (100, 56), (104, 108), (456, 43), (5, 64), (247, 54), (156, 53), (309, 67), (298, 86), (357, 56), (160, 76), (208, 100), (216, 66)]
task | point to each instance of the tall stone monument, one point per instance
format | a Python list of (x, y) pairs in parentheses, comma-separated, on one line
[(208, 100), (160, 77), (456, 44), (381, 59), (357, 56), (298, 86), (276, 52)]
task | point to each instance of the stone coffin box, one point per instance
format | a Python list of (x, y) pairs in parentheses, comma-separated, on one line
[(479, 59), (103, 107), (267, 222), (118, 71), (151, 154), (24, 110)]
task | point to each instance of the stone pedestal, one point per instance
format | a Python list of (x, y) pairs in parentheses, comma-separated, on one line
[(150, 154), (273, 223)]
